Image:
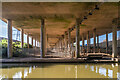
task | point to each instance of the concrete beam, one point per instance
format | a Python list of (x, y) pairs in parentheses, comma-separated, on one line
[(22, 38), (77, 38), (9, 49), (42, 38), (114, 42)]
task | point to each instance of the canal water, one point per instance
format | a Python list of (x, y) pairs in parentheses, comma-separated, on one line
[(57, 70)]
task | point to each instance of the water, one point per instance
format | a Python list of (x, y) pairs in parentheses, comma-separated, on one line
[(63, 70)]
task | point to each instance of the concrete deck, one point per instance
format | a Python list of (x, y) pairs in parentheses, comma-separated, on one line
[(54, 60)]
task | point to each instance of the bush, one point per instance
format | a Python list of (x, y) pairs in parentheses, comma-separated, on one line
[(16, 48)]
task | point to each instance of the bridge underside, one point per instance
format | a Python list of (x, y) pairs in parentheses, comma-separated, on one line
[(58, 25)]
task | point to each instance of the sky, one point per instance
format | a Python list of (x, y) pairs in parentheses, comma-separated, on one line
[(17, 34)]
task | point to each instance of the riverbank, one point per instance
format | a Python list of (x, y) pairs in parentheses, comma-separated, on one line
[(57, 60)]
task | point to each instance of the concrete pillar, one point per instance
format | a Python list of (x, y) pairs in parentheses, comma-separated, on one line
[(32, 41), (47, 43), (83, 43), (9, 49), (106, 42), (28, 40), (97, 43), (114, 42), (61, 42), (65, 42), (69, 41), (94, 36), (22, 38), (42, 38), (88, 42), (35, 42), (77, 39)]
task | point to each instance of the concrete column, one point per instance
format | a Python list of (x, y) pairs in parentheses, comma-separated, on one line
[(9, 49), (97, 43), (77, 39), (82, 43), (65, 42), (72, 46), (42, 37), (69, 41), (88, 42), (32, 41), (47, 42), (28, 40), (61, 44), (114, 42), (35, 42), (106, 42), (94, 36), (22, 38)]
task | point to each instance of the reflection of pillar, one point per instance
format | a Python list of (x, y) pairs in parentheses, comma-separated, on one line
[(42, 37), (88, 42), (97, 69), (115, 73), (9, 49), (94, 36), (22, 73), (114, 42), (77, 39), (106, 72), (106, 42), (22, 38)]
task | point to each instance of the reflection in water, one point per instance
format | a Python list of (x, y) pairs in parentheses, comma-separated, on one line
[(62, 71), (110, 73)]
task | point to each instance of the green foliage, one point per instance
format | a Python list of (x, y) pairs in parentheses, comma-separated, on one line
[(26, 46), (16, 46), (4, 43)]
